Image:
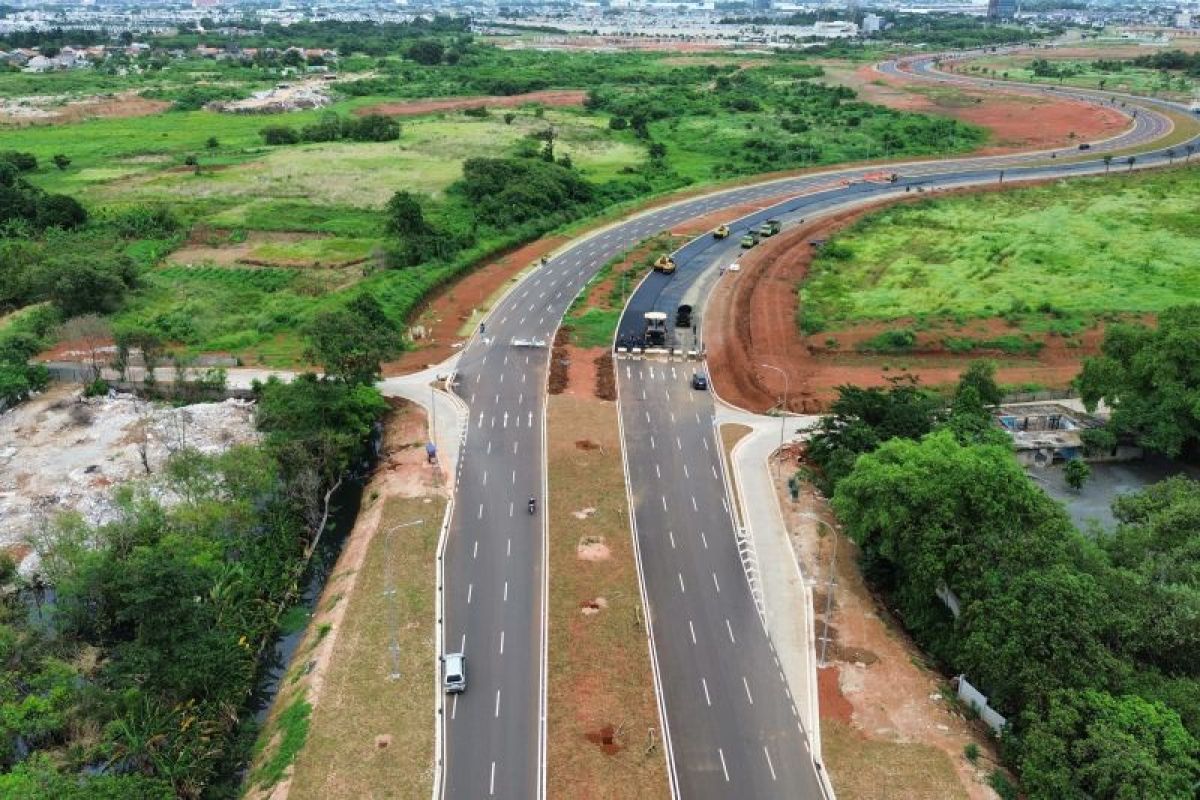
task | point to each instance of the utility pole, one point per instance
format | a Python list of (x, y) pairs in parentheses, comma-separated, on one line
[(782, 417)]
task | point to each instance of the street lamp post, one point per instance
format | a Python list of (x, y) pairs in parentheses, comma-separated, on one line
[(782, 416)]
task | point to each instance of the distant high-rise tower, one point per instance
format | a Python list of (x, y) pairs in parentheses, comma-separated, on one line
[(1002, 9)]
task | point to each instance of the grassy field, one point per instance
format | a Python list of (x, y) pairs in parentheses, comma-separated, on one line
[(1074, 250), (341, 756), (599, 669), (867, 769), (594, 315), (1085, 74)]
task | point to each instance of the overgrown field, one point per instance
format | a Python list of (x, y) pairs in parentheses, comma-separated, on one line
[(1137, 76), (1052, 258)]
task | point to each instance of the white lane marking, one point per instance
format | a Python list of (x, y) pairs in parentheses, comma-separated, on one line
[(531, 419), (510, 508), (462, 648), (502, 377), (770, 766), (678, 443), (698, 422), (505, 419), (657, 471), (514, 448), (671, 534), (707, 696), (724, 769), (729, 628), (497, 704), (480, 423), (681, 589), (692, 628), (470, 591), (454, 707), (477, 377), (492, 782), (514, 477), (521, 321), (714, 469), (694, 506), (521, 399), (672, 413), (472, 403), (522, 377), (475, 550), (664, 499), (652, 447), (747, 687), (668, 391), (508, 550), (505, 596), (502, 638), (715, 583), (493, 422), (724, 502), (480, 515), (685, 471), (485, 477), (647, 416), (704, 540), (489, 447), (705, 443)]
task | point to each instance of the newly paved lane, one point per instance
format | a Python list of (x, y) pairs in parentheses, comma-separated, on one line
[(734, 729)]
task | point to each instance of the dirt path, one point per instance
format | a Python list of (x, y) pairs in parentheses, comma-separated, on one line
[(411, 108)]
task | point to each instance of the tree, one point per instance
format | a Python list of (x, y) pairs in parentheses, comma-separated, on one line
[(61, 161), (84, 285), (1151, 380), (1108, 159), (1076, 473), (352, 343), (428, 52), (404, 217), (60, 211), (1089, 745), (279, 134), (212, 143), (981, 376)]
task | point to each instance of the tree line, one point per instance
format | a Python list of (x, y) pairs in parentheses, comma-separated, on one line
[(1086, 643)]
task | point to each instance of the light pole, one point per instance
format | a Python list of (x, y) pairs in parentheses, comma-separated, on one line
[(782, 416), (389, 591)]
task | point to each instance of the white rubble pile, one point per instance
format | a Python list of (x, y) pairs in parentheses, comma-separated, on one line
[(60, 452)]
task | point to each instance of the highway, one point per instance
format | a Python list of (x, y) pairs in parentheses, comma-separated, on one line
[(730, 723)]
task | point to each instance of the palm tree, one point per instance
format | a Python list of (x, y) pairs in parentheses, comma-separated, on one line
[(1107, 162), (1131, 161)]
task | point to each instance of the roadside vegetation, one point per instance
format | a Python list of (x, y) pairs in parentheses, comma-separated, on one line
[(134, 656), (1171, 73), (1052, 260), (594, 315), (1078, 640)]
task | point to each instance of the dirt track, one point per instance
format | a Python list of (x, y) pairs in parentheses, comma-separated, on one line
[(550, 97)]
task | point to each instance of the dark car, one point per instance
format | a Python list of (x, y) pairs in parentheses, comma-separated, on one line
[(699, 381), (1085, 146)]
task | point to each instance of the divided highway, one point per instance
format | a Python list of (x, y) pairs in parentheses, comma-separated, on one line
[(732, 726)]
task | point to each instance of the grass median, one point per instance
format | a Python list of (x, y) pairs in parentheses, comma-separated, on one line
[(603, 728)]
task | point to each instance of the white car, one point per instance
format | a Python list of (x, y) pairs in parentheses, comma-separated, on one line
[(454, 673), (734, 267)]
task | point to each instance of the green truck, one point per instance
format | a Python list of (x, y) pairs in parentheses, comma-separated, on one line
[(770, 228)]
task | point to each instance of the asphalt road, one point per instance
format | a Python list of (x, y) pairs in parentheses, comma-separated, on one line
[(494, 566), (734, 728)]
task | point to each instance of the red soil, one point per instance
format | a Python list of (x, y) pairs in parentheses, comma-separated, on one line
[(1017, 121), (832, 704), (751, 319), (550, 97)]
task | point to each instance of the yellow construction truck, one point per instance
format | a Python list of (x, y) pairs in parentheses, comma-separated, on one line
[(721, 232), (664, 264)]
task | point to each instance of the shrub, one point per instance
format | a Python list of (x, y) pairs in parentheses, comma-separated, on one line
[(23, 162), (895, 341), (279, 134)]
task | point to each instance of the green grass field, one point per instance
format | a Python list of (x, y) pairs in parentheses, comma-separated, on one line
[(1133, 80), (1073, 249)]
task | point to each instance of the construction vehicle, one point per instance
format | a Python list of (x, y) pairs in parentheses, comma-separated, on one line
[(721, 232), (683, 316), (749, 240), (656, 329), (770, 228), (664, 264)]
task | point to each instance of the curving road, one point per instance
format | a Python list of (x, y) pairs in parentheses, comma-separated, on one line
[(730, 724)]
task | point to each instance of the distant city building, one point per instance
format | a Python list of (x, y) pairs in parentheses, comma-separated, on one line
[(1002, 9), (1183, 19), (871, 24)]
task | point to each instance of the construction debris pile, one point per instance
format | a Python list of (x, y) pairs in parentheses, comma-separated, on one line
[(283, 98), (62, 452)]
